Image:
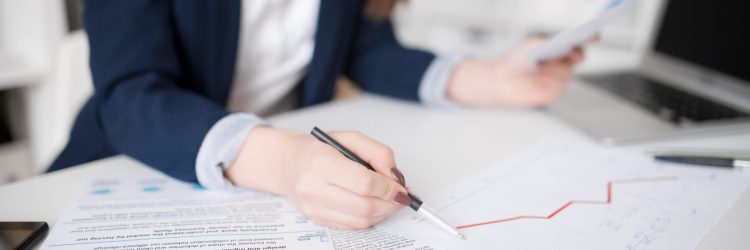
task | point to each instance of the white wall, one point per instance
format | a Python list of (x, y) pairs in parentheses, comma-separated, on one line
[(30, 31)]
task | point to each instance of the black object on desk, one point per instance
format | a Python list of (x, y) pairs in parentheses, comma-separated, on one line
[(720, 162), (416, 204), (21, 235)]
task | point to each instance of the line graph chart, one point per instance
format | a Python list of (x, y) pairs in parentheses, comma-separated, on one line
[(609, 200), (567, 196)]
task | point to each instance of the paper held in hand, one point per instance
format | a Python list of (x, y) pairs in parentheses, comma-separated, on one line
[(558, 46)]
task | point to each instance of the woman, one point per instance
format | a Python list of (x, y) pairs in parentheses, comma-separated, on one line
[(178, 85)]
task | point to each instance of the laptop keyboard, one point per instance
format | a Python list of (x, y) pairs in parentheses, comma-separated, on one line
[(668, 103)]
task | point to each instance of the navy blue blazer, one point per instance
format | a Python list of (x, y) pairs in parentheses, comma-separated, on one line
[(162, 72)]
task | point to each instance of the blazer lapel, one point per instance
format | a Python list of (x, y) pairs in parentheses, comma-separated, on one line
[(337, 20), (223, 36)]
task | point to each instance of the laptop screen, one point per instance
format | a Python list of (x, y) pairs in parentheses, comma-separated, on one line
[(714, 34)]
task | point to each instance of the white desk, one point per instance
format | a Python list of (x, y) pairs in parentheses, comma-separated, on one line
[(433, 149)]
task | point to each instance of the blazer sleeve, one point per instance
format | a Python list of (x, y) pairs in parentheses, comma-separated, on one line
[(140, 105), (379, 64)]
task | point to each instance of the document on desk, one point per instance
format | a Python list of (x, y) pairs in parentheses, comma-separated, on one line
[(159, 212), (373, 239), (570, 196), (558, 46)]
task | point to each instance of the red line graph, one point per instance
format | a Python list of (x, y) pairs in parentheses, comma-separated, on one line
[(609, 200)]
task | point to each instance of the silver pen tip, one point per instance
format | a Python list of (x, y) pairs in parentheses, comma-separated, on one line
[(461, 236)]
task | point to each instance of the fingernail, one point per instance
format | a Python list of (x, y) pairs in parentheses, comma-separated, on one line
[(402, 198), (396, 174)]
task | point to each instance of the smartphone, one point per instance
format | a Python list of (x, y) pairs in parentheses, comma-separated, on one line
[(21, 235)]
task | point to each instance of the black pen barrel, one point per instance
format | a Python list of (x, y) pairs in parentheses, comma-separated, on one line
[(698, 161), (322, 136)]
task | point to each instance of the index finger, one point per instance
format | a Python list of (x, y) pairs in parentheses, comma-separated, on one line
[(351, 176)]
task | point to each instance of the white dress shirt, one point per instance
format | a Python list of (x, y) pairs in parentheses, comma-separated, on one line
[(276, 44), (277, 39)]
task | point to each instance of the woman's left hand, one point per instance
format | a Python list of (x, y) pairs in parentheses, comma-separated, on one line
[(511, 80)]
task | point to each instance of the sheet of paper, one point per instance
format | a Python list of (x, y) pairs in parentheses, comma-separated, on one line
[(558, 46), (158, 212), (569, 196), (373, 239)]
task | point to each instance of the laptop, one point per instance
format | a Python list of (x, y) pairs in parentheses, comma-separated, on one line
[(695, 80)]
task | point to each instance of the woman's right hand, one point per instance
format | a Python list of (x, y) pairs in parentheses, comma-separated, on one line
[(322, 183)]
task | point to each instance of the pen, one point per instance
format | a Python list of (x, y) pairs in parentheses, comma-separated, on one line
[(721, 162), (416, 204)]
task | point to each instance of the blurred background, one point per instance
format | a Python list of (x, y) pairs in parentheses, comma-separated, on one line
[(45, 79)]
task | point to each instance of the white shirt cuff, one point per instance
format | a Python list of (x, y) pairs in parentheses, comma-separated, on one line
[(221, 146), (433, 90)]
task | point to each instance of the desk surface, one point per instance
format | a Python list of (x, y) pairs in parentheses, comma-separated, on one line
[(433, 149)]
